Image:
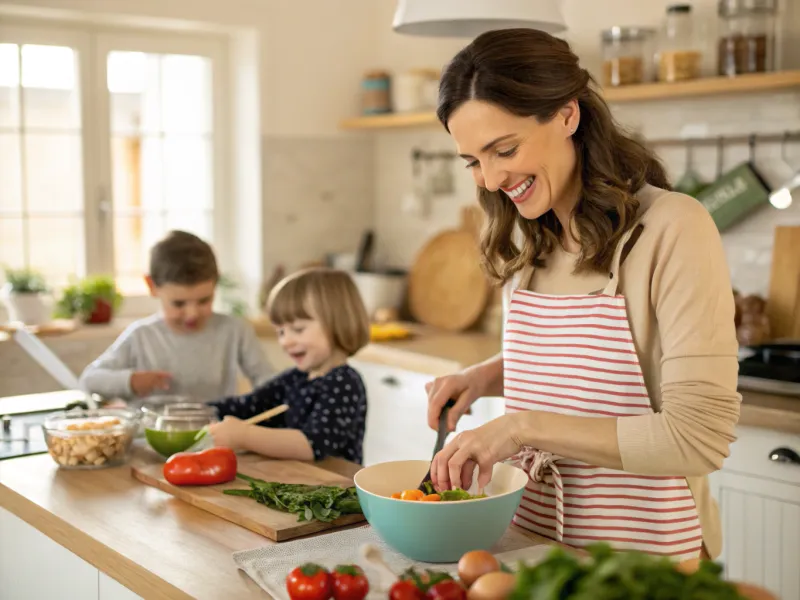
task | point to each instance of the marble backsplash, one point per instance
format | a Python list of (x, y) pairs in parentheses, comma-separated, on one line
[(318, 197)]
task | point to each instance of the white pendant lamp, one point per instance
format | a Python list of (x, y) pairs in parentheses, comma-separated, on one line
[(470, 18)]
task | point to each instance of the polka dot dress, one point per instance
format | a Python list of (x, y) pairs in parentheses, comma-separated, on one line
[(330, 410)]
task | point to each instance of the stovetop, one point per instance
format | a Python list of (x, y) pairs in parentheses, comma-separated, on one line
[(772, 368), (22, 435)]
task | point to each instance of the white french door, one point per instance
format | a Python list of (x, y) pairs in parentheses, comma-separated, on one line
[(108, 139), (44, 122), (161, 152)]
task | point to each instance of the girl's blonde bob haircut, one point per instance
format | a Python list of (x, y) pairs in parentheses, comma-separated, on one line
[(327, 295)]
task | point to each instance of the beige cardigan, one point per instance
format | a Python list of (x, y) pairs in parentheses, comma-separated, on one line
[(680, 307)]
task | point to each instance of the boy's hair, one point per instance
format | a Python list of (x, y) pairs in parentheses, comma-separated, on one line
[(328, 295), (182, 258)]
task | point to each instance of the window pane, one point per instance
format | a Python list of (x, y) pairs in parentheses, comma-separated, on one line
[(133, 238), (133, 81), (198, 223), (11, 243), (137, 174), (188, 168), (9, 85), (54, 172), (50, 94), (10, 174), (187, 94), (56, 247)]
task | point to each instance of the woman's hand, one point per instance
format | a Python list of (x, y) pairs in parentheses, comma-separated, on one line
[(230, 433), (464, 387), (483, 446)]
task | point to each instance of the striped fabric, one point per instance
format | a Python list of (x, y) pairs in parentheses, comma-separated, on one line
[(574, 355)]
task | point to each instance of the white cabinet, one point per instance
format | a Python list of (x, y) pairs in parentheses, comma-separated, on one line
[(397, 414), (111, 589), (397, 421), (33, 566), (759, 503)]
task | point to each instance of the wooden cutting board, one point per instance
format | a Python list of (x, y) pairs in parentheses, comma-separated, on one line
[(783, 303), (275, 525), (447, 287)]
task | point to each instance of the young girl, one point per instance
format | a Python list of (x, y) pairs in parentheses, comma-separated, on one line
[(320, 321)]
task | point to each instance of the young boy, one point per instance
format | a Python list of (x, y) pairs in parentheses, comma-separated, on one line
[(186, 349)]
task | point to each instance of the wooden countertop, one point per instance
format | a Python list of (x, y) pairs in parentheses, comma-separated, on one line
[(154, 544)]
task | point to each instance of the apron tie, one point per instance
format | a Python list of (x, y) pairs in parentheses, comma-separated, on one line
[(541, 468)]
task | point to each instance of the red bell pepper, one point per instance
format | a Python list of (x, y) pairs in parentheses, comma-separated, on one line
[(209, 467)]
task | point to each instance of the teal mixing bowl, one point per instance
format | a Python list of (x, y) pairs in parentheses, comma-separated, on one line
[(437, 532)]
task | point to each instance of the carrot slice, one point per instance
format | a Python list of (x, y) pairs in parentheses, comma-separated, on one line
[(411, 495), (431, 498)]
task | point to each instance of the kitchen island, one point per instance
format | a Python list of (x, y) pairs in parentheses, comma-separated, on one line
[(103, 535)]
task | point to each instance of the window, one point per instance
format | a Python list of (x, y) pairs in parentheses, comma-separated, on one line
[(41, 182), (102, 151)]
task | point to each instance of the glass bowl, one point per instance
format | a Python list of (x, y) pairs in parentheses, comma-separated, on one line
[(171, 428), (90, 439)]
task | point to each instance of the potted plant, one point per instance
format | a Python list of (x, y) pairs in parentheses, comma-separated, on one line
[(23, 296), (94, 300)]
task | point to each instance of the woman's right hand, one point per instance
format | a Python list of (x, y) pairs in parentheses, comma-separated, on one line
[(464, 387)]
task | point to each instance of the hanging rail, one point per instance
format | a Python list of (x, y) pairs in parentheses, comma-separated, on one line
[(786, 136)]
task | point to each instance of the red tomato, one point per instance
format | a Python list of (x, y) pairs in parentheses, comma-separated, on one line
[(309, 582), (349, 583), (446, 590), (208, 467), (405, 590)]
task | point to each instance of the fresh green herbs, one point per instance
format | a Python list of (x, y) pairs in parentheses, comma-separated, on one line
[(451, 495), (321, 502), (610, 575)]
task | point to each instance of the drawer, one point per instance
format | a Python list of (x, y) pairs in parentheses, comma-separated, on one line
[(750, 454)]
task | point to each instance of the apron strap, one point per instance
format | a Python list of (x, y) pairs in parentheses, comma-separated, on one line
[(613, 274)]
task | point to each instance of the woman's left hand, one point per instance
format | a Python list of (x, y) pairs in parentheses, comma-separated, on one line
[(230, 433), (483, 446)]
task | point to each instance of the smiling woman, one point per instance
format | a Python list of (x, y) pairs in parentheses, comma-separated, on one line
[(619, 363)]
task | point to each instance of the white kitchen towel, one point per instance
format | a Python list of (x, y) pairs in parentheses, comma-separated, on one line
[(268, 566)]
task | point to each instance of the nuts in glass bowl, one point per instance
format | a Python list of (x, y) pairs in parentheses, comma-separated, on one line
[(90, 439)]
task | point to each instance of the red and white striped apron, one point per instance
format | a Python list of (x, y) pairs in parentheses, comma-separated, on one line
[(574, 355)]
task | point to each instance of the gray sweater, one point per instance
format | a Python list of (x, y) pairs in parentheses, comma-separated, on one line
[(203, 365)]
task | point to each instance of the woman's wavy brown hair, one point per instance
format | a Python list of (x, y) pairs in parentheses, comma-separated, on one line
[(533, 74)]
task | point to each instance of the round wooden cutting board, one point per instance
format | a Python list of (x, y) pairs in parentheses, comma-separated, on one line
[(447, 288)]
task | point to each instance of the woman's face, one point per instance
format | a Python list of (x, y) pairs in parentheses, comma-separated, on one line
[(533, 163)]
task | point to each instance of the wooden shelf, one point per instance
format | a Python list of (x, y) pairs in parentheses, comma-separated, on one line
[(391, 121), (711, 86)]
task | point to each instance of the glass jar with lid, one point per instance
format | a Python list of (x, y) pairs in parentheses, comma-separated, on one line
[(747, 36), (625, 55), (679, 57)]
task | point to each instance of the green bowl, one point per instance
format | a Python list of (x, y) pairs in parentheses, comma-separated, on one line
[(437, 532), (167, 443)]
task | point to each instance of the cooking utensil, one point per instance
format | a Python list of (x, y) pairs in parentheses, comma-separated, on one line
[(690, 183), (200, 439), (373, 556), (435, 531), (447, 287), (364, 255), (441, 435), (48, 360)]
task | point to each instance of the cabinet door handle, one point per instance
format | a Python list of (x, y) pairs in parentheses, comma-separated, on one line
[(390, 381), (785, 455)]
